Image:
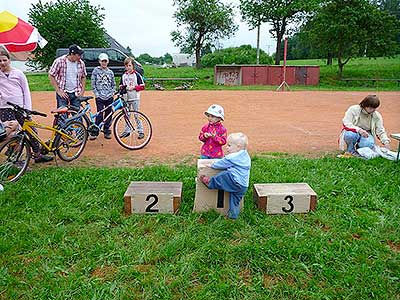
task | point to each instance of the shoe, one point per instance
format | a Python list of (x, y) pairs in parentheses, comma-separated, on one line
[(141, 135), (43, 158), (107, 136), (92, 137), (205, 180), (125, 134)]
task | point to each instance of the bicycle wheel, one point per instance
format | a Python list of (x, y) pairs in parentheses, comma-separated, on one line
[(15, 155), (71, 148), (132, 129)]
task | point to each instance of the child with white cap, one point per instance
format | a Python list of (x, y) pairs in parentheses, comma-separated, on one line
[(103, 85), (213, 134)]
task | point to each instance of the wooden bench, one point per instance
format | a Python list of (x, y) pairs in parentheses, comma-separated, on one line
[(149, 197), (171, 79), (186, 85), (284, 198), (373, 80)]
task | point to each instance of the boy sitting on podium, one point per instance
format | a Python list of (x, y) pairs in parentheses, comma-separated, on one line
[(235, 177)]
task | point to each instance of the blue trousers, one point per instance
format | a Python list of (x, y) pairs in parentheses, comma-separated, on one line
[(352, 138), (224, 181), (61, 102), (101, 104)]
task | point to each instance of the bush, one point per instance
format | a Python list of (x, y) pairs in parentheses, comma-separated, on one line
[(244, 54)]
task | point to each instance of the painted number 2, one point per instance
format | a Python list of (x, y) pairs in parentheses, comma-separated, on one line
[(289, 200), (150, 208)]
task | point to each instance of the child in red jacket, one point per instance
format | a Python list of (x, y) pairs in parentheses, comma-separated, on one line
[(213, 134)]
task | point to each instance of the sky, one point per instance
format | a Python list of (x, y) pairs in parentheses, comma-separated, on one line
[(147, 26)]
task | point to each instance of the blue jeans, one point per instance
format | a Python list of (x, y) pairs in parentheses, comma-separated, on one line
[(353, 138), (224, 181), (101, 104), (61, 102)]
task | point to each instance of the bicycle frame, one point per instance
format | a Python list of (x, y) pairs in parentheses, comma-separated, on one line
[(118, 104), (28, 129)]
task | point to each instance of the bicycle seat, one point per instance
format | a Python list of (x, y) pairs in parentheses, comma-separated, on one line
[(84, 98), (61, 110)]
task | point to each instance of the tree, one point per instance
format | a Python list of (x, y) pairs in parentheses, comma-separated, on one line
[(145, 58), (252, 14), (244, 54), (167, 58), (280, 13), (66, 22), (201, 23), (352, 28)]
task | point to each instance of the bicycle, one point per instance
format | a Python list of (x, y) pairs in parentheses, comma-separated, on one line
[(131, 129), (68, 140)]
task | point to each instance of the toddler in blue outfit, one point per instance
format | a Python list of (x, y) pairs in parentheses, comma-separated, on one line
[(235, 177)]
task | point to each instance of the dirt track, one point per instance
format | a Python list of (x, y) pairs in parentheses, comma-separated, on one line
[(292, 122)]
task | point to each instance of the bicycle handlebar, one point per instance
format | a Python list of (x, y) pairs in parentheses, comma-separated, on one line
[(29, 112)]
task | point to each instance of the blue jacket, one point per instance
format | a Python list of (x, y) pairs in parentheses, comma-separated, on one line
[(238, 164)]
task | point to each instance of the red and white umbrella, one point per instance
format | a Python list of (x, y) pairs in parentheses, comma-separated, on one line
[(18, 36)]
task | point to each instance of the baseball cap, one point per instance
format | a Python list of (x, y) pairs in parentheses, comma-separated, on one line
[(103, 56), (75, 49)]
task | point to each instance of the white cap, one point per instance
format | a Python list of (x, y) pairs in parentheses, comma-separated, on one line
[(216, 110), (103, 56)]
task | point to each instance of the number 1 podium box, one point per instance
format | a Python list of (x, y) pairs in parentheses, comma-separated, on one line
[(284, 198), (206, 199), (151, 197)]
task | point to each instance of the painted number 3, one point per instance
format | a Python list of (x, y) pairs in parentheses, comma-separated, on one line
[(289, 200), (150, 208)]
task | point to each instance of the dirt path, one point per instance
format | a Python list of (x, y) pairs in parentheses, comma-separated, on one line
[(292, 122)]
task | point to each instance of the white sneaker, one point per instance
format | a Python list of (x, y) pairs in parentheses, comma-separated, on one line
[(1, 187)]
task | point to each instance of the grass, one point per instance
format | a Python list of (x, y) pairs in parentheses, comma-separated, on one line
[(356, 68), (64, 236)]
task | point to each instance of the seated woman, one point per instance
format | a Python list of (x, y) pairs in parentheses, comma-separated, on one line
[(361, 125)]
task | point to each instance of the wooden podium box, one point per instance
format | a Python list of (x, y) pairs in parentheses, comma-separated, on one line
[(206, 199), (284, 198), (151, 197)]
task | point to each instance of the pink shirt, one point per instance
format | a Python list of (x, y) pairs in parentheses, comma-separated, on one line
[(213, 145), (14, 89)]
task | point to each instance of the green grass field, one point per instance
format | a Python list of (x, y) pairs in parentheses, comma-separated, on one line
[(64, 236), (356, 68)]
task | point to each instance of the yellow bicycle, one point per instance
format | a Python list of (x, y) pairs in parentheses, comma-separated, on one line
[(68, 139)]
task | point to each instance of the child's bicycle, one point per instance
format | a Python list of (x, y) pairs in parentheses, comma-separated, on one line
[(131, 129), (68, 140)]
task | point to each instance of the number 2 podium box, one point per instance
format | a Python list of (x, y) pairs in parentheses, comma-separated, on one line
[(284, 198), (206, 199), (151, 197)]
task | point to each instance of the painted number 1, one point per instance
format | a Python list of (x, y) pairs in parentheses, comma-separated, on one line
[(150, 208), (289, 200)]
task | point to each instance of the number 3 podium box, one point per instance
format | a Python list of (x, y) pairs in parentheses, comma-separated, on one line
[(284, 198), (206, 199), (144, 197)]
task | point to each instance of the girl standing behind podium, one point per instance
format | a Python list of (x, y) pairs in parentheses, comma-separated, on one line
[(213, 134)]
